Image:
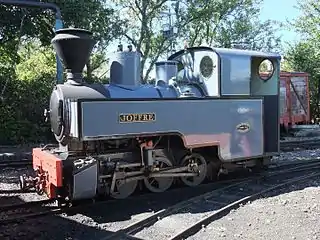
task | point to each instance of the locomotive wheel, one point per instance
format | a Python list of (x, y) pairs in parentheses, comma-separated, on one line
[(159, 184), (124, 189), (261, 164), (197, 164), (213, 168)]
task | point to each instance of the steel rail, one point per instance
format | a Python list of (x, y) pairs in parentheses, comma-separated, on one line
[(129, 231), (224, 210)]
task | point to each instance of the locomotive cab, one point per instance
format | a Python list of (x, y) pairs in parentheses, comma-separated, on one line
[(233, 73)]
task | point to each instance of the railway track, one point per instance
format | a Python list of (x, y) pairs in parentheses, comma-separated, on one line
[(299, 144), (16, 212), (220, 201), (15, 191), (21, 163), (14, 159), (11, 213), (20, 212)]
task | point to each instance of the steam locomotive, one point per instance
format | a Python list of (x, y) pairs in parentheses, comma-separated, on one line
[(208, 112)]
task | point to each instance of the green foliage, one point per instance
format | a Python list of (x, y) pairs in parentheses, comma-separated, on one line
[(37, 61), (21, 115), (308, 24), (227, 23), (27, 62), (93, 15), (28, 88), (34, 23), (305, 55), (142, 28), (215, 23), (286, 66)]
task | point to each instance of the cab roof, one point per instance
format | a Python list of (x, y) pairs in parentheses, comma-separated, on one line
[(228, 51)]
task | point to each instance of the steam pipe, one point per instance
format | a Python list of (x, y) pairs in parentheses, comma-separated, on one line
[(58, 24), (59, 76)]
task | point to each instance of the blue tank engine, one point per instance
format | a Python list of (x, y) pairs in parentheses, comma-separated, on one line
[(208, 112)]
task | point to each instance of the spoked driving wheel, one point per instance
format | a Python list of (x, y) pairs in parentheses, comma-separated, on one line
[(196, 164), (159, 184), (123, 188)]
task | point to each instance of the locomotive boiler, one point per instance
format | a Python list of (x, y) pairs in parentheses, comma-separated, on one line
[(208, 112)]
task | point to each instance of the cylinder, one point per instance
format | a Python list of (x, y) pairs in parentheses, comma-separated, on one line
[(125, 68), (165, 70)]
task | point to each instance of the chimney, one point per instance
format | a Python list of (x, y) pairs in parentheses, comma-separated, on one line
[(73, 46)]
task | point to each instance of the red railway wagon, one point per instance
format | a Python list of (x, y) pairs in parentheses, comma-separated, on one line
[(294, 99)]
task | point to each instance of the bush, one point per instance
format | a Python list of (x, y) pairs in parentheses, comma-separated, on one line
[(21, 111)]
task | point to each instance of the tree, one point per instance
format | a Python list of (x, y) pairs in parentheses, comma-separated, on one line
[(33, 23), (308, 24), (215, 22), (27, 61), (305, 55), (142, 30), (225, 23), (93, 15), (36, 61)]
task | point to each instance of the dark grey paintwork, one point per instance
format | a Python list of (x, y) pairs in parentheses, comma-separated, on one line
[(85, 182), (271, 124), (201, 122)]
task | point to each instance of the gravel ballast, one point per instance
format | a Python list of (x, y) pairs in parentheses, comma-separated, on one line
[(293, 213), (288, 213)]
